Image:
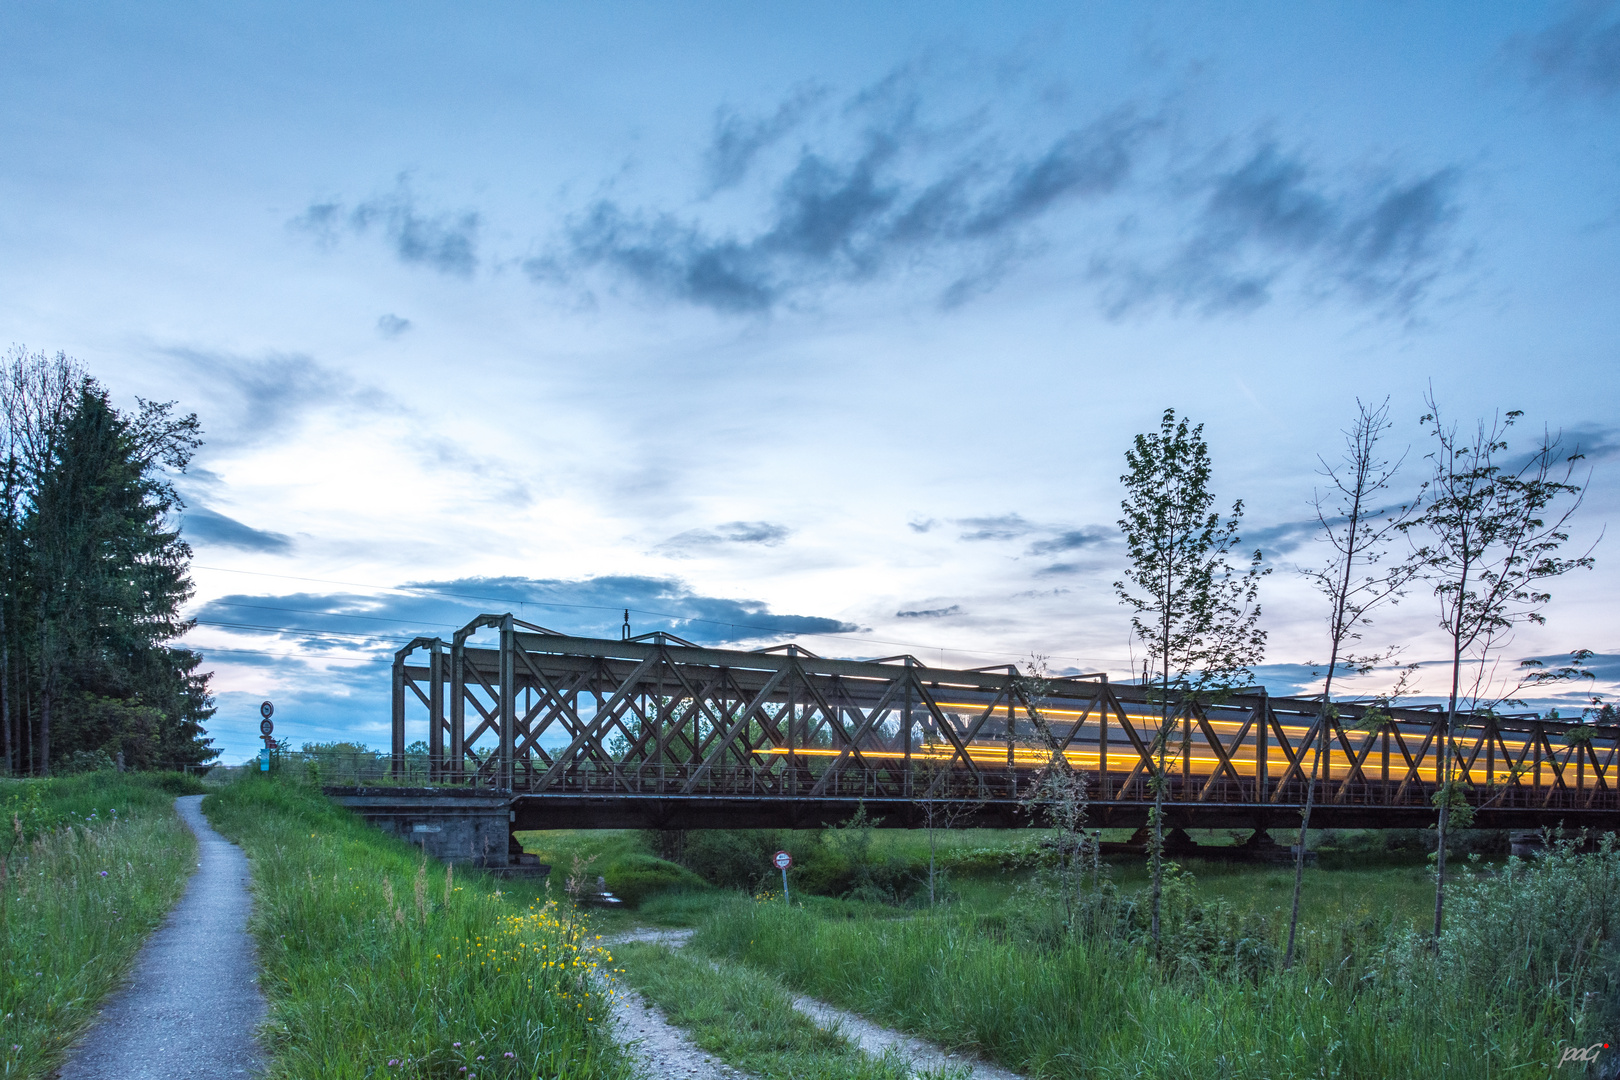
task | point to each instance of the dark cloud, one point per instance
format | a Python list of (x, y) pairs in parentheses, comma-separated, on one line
[(735, 532), (1059, 569), (440, 240), (1581, 53), (1281, 537), (592, 607), (739, 139), (930, 613), (1380, 242), (902, 195), (205, 526), (392, 326), (921, 525), (1072, 540), (1001, 527)]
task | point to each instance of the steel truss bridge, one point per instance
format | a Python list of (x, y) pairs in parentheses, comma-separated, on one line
[(656, 732)]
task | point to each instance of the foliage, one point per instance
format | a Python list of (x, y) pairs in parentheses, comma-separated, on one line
[(91, 865), (93, 574), (1488, 540), (1196, 615), (1366, 997), (373, 956)]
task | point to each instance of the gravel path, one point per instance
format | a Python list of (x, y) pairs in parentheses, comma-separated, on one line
[(193, 1002), (665, 1051), (871, 1038)]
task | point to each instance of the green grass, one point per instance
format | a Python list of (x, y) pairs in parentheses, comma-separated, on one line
[(377, 963), (746, 1019), (1089, 1008), (79, 893)]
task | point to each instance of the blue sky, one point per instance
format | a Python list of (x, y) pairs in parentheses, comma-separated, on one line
[(831, 322)]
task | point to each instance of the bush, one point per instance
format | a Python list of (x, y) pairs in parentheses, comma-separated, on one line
[(635, 878)]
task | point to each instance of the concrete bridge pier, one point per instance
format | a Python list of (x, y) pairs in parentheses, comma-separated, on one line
[(463, 826)]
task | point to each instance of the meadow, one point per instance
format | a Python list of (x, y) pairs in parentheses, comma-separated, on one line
[(89, 865), (1527, 966)]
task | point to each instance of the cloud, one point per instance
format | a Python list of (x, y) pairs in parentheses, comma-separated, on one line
[(1072, 540), (202, 525), (1581, 53), (921, 525), (764, 533), (1059, 569), (739, 139), (440, 240), (392, 326), (930, 613), (1002, 527), (1381, 241), (263, 397), (589, 607), (899, 197)]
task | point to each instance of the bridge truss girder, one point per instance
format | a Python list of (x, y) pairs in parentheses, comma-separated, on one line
[(665, 724)]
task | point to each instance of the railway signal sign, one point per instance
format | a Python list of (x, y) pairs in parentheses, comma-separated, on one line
[(783, 860)]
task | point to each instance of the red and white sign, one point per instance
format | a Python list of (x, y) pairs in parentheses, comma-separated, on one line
[(782, 860)]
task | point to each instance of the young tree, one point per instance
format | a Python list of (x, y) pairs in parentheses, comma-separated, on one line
[(1194, 612), (1058, 793), (1488, 540), (1357, 529)]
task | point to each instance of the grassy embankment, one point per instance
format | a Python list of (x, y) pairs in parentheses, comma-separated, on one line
[(377, 963), (92, 864), (1528, 965)]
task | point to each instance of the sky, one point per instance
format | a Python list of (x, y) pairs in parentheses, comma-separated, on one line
[(828, 323)]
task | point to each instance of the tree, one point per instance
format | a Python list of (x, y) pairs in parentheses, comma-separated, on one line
[(94, 574), (1488, 540), (1058, 792), (1353, 580), (1196, 614)]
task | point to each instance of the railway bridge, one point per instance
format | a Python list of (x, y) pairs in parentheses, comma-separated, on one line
[(656, 732)]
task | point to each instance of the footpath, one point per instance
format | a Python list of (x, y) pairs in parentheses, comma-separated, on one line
[(193, 1002), (671, 1055)]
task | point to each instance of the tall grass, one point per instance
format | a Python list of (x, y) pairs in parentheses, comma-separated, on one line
[(377, 963), (92, 863), (1527, 966)]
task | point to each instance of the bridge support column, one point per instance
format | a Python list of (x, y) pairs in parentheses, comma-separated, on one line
[(508, 706), (436, 712)]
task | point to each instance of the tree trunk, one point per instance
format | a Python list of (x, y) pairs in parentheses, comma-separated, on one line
[(45, 733), (1304, 826)]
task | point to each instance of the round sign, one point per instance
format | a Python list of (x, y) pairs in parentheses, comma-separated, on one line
[(267, 710), (266, 727), (782, 860)]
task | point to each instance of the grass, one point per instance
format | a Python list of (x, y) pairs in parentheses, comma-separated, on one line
[(747, 1019), (1099, 1008), (377, 963), (98, 860)]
